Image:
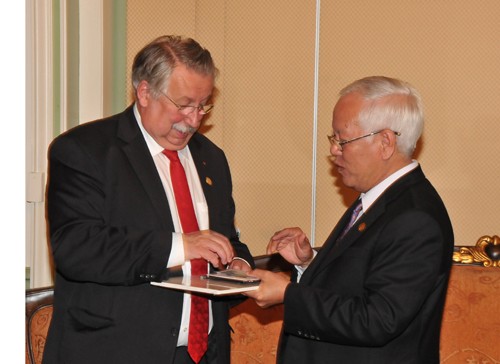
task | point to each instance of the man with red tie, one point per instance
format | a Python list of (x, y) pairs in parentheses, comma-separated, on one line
[(131, 199)]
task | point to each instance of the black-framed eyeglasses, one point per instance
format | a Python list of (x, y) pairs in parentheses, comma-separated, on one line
[(188, 109), (340, 143)]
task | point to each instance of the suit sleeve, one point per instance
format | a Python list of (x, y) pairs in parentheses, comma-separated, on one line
[(87, 245), (241, 249), (402, 272)]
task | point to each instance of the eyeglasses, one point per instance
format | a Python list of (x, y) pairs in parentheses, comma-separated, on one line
[(188, 109), (340, 143)]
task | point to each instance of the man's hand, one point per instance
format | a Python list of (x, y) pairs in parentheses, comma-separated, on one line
[(293, 245), (208, 245), (271, 289)]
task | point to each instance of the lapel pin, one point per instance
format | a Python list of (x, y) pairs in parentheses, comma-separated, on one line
[(362, 226), (208, 181)]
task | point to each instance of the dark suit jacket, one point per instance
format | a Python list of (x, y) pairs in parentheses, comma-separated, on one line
[(111, 235), (378, 295)]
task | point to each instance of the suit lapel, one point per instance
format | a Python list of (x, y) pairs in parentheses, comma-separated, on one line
[(136, 150), (331, 250)]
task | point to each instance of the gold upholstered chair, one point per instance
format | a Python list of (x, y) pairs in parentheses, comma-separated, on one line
[(470, 331)]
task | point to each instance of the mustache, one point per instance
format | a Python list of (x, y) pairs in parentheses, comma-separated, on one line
[(184, 128)]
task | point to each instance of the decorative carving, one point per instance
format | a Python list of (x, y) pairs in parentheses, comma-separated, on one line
[(469, 356), (38, 328), (486, 252)]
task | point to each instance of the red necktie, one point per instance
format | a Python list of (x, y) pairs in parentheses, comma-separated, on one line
[(198, 320)]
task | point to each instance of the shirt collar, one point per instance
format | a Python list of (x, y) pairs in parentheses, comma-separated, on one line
[(153, 146), (371, 195)]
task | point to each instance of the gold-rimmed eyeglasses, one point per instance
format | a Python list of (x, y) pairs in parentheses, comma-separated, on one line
[(188, 109), (340, 143)]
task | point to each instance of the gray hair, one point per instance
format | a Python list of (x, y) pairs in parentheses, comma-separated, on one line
[(155, 62), (390, 104)]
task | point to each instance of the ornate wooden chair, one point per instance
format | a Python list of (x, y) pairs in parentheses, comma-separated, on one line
[(38, 315), (471, 322)]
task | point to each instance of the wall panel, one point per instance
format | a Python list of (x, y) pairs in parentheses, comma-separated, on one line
[(450, 51), (264, 112), (263, 119)]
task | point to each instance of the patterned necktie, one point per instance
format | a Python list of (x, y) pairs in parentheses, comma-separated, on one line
[(352, 220), (198, 320)]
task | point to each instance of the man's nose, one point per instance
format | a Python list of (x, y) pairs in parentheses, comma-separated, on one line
[(194, 118), (335, 150)]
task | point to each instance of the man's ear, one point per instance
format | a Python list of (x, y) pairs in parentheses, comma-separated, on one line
[(388, 143), (143, 93)]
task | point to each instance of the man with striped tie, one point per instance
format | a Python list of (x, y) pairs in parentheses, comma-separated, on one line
[(375, 292)]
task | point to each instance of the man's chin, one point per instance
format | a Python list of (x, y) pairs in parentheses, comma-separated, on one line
[(346, 181), (179, 143)]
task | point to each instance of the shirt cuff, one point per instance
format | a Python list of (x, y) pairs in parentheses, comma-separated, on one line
[(301, 270), (238, 258), (177, 256)]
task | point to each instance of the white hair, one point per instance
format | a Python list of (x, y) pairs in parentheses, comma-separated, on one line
[(390, 104)]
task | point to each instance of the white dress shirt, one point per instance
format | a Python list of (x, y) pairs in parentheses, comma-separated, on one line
[(200, 207)]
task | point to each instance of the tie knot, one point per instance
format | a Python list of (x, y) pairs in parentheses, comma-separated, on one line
[(354, 215), (171, 154), (358, 208)]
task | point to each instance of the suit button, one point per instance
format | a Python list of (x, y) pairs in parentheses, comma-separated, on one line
[(141, 275)]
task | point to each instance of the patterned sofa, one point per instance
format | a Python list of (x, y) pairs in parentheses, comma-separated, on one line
[(470, 331)]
